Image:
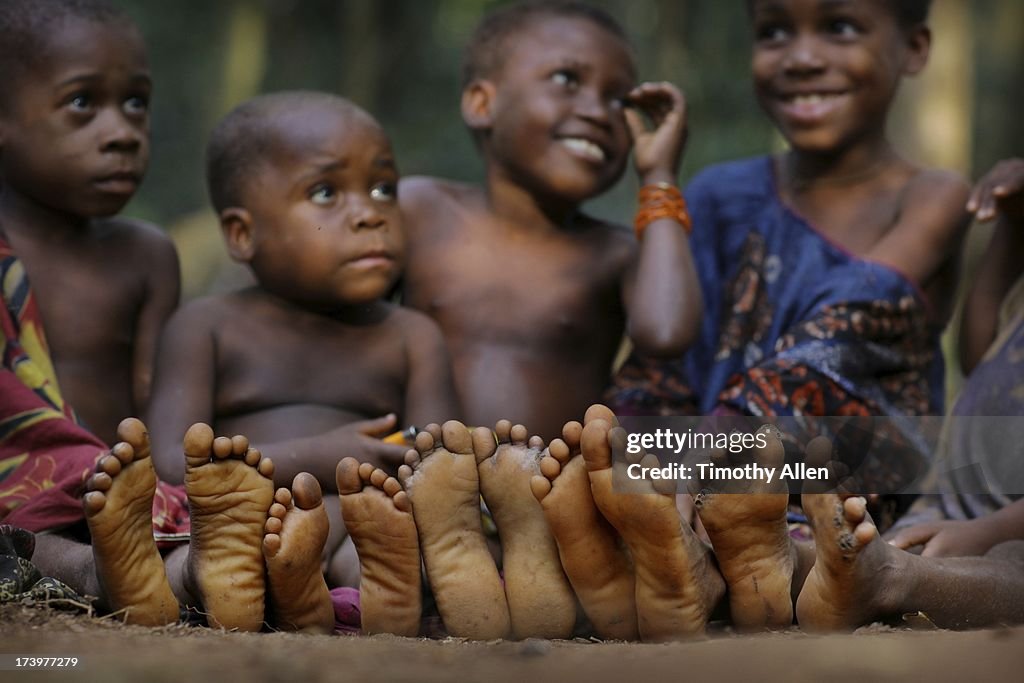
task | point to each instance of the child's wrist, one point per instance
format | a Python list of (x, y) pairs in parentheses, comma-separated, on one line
[(661, 200), (656, 176)]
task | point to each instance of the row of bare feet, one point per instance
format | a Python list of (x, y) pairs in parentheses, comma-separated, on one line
[(253, 554), (569, 539)]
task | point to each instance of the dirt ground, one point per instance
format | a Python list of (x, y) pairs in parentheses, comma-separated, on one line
[(112, 652)]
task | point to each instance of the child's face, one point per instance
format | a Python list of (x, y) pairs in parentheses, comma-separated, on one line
[(75, 137), (326, 228), (557, 122), (826, 71)]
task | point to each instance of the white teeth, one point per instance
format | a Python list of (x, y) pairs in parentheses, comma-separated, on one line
[(585, 148), (812, 98)]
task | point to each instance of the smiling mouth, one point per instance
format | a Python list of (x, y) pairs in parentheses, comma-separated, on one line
[(810, 107), (584, 148)]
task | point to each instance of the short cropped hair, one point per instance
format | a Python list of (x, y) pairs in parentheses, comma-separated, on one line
[(488, 46), (908, 13), (245, 139), (26, 27)]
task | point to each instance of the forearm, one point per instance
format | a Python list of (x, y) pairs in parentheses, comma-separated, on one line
[(665, 306), (999, 268)]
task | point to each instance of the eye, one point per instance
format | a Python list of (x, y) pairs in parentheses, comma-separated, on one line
[(384, 192), (567, 78), (136, 105), (80, 102), (322, 194), (844, 28), (771, 33)]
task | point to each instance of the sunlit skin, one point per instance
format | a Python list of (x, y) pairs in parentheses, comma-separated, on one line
[(532, 295), (826, 72), (74, 146)]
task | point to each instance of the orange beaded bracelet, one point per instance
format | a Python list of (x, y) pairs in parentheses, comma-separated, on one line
[(661, 200)]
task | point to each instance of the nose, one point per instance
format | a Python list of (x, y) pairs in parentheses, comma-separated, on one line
[(119, 133), (594, 107), (804, 56), (367, 215)]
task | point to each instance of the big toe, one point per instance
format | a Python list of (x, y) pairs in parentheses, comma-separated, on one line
[(306, 491)]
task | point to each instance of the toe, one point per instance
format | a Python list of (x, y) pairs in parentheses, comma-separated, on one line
[(550, 467), (306, 491), (347, 476), (571, 434), (594, 444), (239, 444), (222, 447), (198, 442), (425, 442), (599, 412), (502, 428), (540, 486), (456, 438), (483, 443)]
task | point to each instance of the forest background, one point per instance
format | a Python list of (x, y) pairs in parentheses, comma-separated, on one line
[(400, 59)]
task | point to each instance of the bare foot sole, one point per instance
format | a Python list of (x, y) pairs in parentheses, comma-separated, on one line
[(294, 537), (541, 603), (588, 546), (441, 478), (378, 517), (230, 489), (846, 587), (746, 522), (677, 584), (118, 507)]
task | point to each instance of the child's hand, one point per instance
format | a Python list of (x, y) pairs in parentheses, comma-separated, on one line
[(1000, 191), (657, 152), (362, 441), (948, 538)]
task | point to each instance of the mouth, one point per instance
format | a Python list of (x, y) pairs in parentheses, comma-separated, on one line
[(376, 258), (584, 149), (811, 107), (121, 182)]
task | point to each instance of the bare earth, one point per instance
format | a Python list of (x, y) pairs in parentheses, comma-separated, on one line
[(110, 651)]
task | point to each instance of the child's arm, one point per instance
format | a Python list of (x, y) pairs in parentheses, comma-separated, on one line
[(183, 385), (161, 298), (430, 391), (660, 290), (1000, 194), (958, 538), (928, 231)]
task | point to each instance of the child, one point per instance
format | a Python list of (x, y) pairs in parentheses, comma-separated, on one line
[(976, 513), (533, 295), (830, 270), (74, 140), (75, 145), (827, 278), (308, 360)]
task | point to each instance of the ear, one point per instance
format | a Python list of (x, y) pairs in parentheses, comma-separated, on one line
[(237, 227), (919, 44), (477, 105)]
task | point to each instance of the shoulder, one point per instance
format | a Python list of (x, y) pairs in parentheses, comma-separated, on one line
[(414, 325), (137, 235), (934, 200), (204, 313), (932, 185), (138, 244), (425, 191)]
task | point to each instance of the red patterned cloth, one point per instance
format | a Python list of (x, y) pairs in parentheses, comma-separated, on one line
[(45, 454)]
